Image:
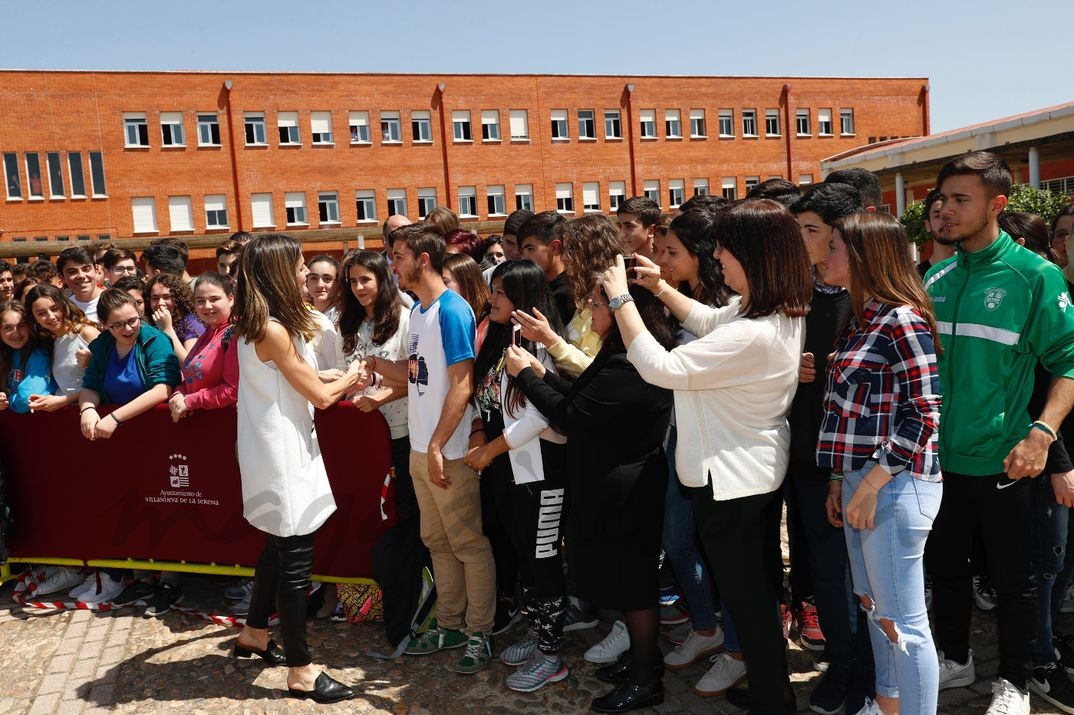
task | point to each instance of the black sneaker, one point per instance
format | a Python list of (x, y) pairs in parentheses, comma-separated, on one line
[(507, 615), (830, 695), (1053, 685), (167, 596), (137, 593)]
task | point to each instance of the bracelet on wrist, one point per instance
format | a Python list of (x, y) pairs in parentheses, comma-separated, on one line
[(835, 477), (87, 407), (662, 286), (1045, 428), (117, 420), (475, 431)]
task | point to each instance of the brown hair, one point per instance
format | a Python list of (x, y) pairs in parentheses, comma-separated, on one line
[(590, 245), (268, 288), (764, 237), (182, 296), (74, 320), (472, 285), (878, 256)]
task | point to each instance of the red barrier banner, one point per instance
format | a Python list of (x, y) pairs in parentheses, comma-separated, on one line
[(171, 492)]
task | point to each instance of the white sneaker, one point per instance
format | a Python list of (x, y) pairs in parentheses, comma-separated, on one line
[(58, 578), (1007, 699), (871, 708), (694, 648), (110, 588), (608, 650), (88, 585), (954, 674), (725, 673)]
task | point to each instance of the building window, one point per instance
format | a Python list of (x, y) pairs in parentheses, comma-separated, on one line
[(396, 202), (55, 175), (321, 128), (33, 176), (730, 188), (749, 122), (559, 124), (519, 125), (616, 194), (78, 180), (676, 193), (261, 210), (805, 179), (771, 122), (524, 197), (467, 202), (460, 124), (208, 130), (96, 163), (591, 196), (727, 123), (648, 123), (328, 207), (294, 202), (846, 121), (144, 212), (613, 126), (698, 130), (288, 124), (802, 120), (254, 124), (673, 123), (421, 127), (824, 122), (365, 202), (565, 198), (652, 190), (752, 181), (216, 211), (426, 202), (359, 126), (497, 203), (11, 174), (490, 125), (171, 129), (701, 187), (137, 131), (389, 128), (180, 214), (587, 124)]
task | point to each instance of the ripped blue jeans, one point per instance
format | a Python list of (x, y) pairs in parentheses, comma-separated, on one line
[(886, 564)]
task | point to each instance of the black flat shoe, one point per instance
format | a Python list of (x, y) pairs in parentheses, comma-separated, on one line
[(326, 689), (619, 671), (273, 654), (740, 698), (628, 696)]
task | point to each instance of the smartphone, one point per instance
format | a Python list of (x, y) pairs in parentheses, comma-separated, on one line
[(516, 335), (631, 262)]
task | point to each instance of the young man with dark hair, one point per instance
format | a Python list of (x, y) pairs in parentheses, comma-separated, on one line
[(821, 596), (79, 275), (511, 248), (541, 238), (637, 218), (118, 263), (439, 378), (706, 202), (227, 253), (864, 181), (7, 281), (773, 189), (940, 251), (999, 310), (165, 256)]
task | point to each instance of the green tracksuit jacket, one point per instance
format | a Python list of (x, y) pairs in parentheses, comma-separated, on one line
[(998, 312)]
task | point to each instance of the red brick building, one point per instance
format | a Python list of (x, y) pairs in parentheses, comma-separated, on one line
[(90, 155)]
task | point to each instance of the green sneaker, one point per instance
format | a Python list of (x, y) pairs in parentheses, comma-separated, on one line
[(477, 655), (435, 639)]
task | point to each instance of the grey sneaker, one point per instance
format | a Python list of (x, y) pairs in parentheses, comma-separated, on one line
[(477, 655), (954, 674), (520, 652), (538, 671)]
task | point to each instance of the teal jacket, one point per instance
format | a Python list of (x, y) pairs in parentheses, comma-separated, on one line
[(998, 311), (157, 363)]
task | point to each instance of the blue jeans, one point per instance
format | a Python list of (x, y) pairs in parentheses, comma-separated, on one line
[(1050, 542), (887, 565), (681, 547)]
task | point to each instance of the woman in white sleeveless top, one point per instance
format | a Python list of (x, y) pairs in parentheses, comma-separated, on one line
[(66, 332), (285, 489)]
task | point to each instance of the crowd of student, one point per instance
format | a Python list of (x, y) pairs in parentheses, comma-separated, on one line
[(576, 401)]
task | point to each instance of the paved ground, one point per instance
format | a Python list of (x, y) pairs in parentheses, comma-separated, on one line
[(85, 662)]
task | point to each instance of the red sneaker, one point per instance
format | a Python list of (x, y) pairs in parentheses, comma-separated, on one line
[(809, 627)]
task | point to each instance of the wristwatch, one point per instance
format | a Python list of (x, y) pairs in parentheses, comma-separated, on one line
[(619, 301)]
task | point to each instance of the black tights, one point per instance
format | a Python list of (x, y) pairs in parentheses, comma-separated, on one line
[(644, 628), (280, 583)]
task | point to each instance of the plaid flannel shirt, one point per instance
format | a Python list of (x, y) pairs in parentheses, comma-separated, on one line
[(882, 396)]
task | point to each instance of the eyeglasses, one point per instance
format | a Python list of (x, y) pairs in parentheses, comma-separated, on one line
[(132, 323)]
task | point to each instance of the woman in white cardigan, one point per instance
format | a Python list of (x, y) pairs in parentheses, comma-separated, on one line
[(733, 387)]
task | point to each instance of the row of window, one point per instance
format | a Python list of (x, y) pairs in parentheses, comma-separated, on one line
[(173, 134), (65, 179), (263, 215)]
